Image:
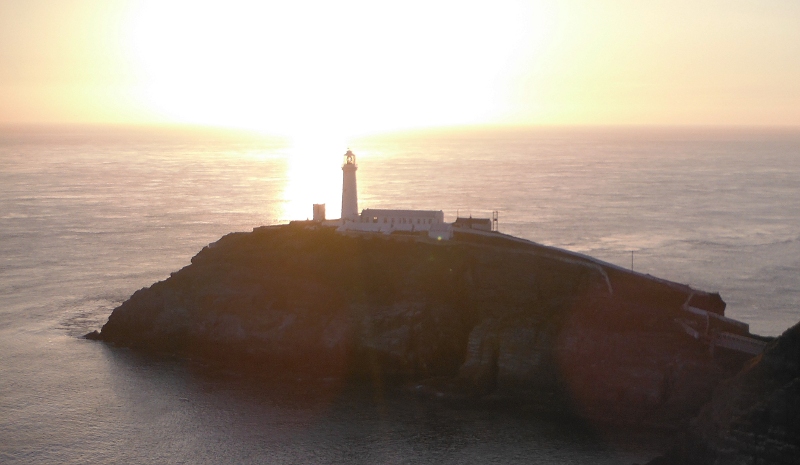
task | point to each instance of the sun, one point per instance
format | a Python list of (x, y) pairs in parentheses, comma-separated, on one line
[(349, 67)]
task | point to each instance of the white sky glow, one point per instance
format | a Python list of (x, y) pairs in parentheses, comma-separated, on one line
[(338, 69), (347, 66)]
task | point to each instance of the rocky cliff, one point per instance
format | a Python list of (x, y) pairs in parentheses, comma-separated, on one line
[(473, 318), (752, 418)]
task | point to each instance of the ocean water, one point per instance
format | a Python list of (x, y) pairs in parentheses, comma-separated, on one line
[(88, 216)]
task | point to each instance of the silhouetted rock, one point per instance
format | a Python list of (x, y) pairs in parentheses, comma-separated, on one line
[(752, 418), (476, 317)]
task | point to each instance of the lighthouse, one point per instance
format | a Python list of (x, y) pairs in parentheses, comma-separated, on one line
[(349, 192)]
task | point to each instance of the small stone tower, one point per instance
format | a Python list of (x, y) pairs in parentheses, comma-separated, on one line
[(349, 191)]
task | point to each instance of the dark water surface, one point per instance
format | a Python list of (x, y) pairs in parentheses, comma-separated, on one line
[(88, 217)]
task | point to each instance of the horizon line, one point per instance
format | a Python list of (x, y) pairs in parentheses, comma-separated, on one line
[(232, 130)]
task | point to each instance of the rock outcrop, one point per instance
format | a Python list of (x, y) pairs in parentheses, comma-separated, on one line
[(476, 317), (752, 418)]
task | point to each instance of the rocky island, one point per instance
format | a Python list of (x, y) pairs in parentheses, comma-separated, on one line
[(479, 318)]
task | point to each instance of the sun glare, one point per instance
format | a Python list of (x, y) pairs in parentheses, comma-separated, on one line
[(349, 67), (321, 73), (313, 176)]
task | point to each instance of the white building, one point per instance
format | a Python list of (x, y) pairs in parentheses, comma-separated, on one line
[(388, 221), (382, 220)]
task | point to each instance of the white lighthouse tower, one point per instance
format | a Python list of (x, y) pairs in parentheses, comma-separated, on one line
[(349, 191)]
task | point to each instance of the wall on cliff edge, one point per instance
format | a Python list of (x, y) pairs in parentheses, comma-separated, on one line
[(498, 318)]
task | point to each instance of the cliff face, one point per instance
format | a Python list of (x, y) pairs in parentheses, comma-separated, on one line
[(488, 318), (753, 417)]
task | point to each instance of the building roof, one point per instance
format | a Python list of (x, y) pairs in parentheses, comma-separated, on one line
[(470, 221), (406, 213)]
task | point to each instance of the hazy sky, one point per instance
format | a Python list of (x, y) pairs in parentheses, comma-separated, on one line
[(353, 67)]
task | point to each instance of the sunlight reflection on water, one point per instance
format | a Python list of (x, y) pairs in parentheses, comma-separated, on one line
[(313, 175)]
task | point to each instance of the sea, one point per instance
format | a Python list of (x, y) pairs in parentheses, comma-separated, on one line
[(88, 215)]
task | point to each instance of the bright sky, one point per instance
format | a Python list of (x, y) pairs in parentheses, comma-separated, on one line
[(353, 67)]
